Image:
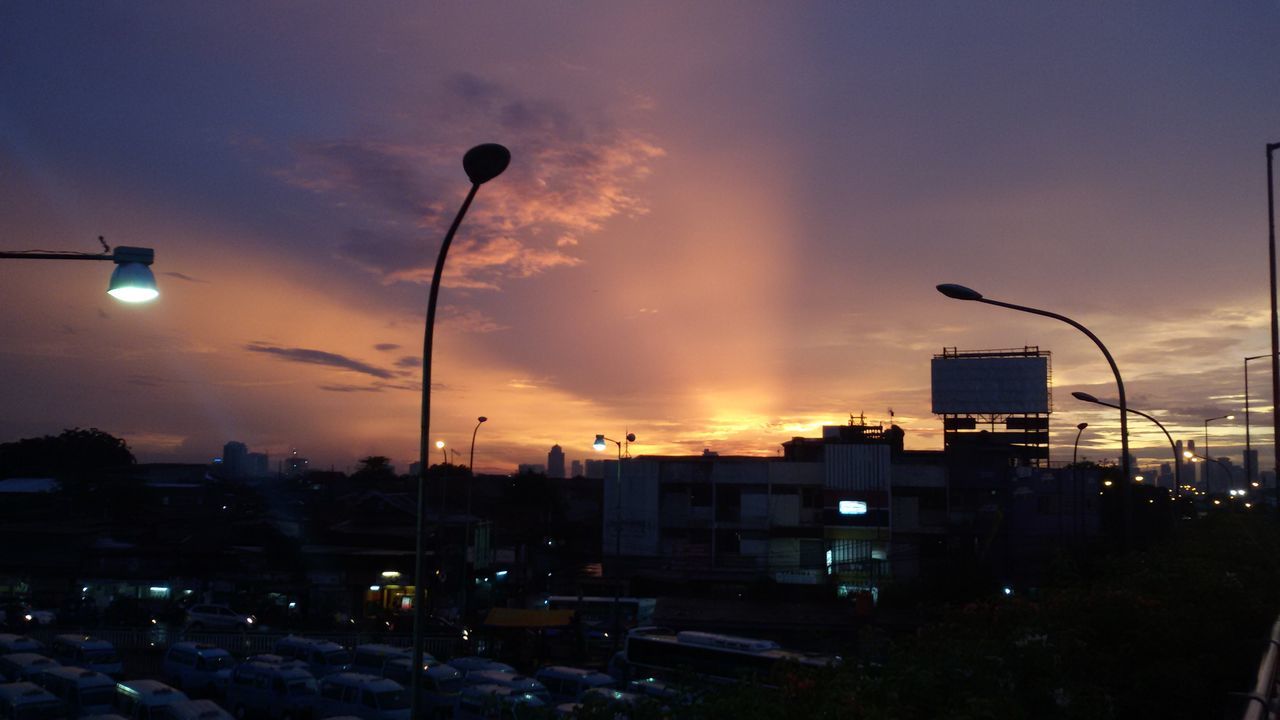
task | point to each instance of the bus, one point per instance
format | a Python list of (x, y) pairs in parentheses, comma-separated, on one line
[(653, 651)]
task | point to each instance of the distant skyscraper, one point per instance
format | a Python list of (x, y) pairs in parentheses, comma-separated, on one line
[(235, 459), (555, 462), (576, 470), (257, 465)]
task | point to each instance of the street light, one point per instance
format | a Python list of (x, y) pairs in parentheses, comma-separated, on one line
[(600, 444), (1250, 463), (481, 163), (1075, 483), (1206, 444), (1194, 457), (443, 453), (960, 292), (1275, 321), (466, 524), (1177, 461), (131, 281)]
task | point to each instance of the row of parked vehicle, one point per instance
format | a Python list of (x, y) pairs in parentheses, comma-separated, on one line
[(304, 679)]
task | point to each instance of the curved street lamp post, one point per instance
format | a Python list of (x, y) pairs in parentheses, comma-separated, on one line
[(960, 292), (1177, 461), (482, 163), (1206, 447), (466, 542), (1075, 482)]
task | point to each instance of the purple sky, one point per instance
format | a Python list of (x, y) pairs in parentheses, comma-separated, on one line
[(721, 227)]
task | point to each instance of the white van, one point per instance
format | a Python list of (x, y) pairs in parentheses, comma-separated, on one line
[(275, 691), (494, 702), (195, 710), (371, 659), (365, 696), (196, 667), (321, 656), (567, 684), (28, 701), (87, 652), (19, 667), (519, 683), (10, 643), (145, 699), (438, 688), (85, 692), (472, 663)]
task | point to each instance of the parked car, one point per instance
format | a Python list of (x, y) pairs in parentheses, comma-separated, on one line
[(16, 667), (471, 663), (321, 656), (84, 692), (218, 617), (438, 688), (28, 701), (195, 710), (365, 696), (567, 684), (490, 702), (276, 691), (10, 643), (373, 658), (87, 652), (519, 683), (197, 667), (146, 699)]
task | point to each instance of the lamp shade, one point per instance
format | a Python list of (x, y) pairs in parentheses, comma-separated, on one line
[(133, 283), (599, 443)]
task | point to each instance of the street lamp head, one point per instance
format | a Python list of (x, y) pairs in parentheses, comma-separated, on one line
[(132, 283), (1229, 417), (439, 443), (1086, 397), (599, 443), (1082, 426), (959, 292), (482, 419), (1188, 454), (485, 162)]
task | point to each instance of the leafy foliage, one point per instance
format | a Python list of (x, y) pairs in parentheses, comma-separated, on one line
[(72, 453)]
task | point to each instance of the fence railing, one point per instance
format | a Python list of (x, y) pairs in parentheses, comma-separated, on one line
[(1262, 701)]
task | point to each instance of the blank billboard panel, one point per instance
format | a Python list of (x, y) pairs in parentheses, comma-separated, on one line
[(990, 385)]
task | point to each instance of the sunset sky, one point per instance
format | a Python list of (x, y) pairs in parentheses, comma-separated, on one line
[(722, 225)]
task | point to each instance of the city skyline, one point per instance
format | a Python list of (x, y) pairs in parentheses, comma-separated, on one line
[(721, 227)]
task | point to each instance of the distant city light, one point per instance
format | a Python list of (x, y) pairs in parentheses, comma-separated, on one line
[(853, 507), (375, 588), (1008, 590), (391, 574)]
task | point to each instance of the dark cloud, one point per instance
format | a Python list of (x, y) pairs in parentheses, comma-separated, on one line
[(386, 347), (472, 88), (409, 361), (102, 314), (182, 276), (351, 388), (320, 357)]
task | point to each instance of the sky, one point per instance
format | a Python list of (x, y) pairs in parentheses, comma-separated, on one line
[(721, 228)]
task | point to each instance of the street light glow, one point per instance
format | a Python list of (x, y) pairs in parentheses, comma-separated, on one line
[(133, 283), (599, 443)]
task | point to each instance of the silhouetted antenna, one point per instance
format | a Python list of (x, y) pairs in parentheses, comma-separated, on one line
[(105, 247)]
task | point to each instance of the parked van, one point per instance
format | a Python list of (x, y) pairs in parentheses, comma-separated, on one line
[(85, 692), (494, 702), (471, 663), (439, 686), (321, 656), (519, 683), (145, 699), (87, 652), (10, 643), (372, 658), (275, 691), (196, 710), (17, 667), (196, 667), (567, 684), (28, 701), (365, 696)]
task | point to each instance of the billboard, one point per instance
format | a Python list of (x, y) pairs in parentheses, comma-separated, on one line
[(990, 385)]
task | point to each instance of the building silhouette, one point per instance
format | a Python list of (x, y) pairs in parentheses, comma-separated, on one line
[(555, 462)]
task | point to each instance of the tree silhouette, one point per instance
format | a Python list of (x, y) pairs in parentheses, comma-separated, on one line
[(73, 454)]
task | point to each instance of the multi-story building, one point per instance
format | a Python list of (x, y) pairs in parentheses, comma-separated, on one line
[(555, 462)]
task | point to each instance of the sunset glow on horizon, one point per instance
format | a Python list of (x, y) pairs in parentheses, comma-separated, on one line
[(721, 227)]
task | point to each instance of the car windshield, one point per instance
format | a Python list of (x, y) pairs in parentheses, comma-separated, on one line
[(302, 687), (392, 700), (101, 657), (336, 657), (98, 696)]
